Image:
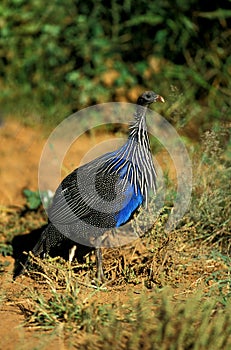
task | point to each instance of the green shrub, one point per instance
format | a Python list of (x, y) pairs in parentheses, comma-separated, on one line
[(76, 54), (210, 209)]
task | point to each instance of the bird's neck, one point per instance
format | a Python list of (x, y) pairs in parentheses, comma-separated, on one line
[(138, 129)]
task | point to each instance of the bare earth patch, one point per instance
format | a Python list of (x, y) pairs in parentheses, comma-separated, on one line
[(141, 269)]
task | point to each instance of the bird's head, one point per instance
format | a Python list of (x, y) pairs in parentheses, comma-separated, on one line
[(148, 97)]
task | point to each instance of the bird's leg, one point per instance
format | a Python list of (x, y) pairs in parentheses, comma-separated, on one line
[(100, 274)]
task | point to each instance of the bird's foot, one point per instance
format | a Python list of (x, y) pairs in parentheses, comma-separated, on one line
[(100, 274)]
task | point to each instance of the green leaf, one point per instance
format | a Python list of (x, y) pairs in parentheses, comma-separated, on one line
[(219, 13), (33, 199)]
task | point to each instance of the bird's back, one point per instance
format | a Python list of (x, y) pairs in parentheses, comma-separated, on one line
[(105, 193), (97, 196)]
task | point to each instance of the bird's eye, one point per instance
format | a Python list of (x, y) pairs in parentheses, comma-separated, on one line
[(149, 96)]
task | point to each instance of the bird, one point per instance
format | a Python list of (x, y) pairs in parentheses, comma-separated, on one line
[(103, 194)]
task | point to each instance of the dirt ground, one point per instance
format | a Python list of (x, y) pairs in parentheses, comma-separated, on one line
[(20, 150)]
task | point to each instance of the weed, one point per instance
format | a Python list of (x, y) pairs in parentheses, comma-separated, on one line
[(35, 198), (153, 321), (169, 290), (210, 209)]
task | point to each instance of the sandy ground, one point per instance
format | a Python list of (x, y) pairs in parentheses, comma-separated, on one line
[(20, 150)]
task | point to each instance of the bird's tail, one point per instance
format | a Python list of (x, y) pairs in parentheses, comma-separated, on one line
[(39, 248)]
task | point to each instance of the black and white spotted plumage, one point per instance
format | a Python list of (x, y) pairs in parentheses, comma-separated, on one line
[(106, 192)]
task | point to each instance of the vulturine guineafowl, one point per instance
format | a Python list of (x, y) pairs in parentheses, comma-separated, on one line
[(104, 193)]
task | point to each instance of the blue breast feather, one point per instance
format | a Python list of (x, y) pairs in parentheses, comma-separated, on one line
[(135, 199), (126, 213)]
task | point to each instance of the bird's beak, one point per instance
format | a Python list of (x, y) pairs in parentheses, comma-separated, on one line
[(160, 99)]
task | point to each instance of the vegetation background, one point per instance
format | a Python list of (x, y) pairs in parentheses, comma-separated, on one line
[(60, 56)]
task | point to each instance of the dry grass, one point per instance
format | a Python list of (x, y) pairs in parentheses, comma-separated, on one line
[(165, 291)]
